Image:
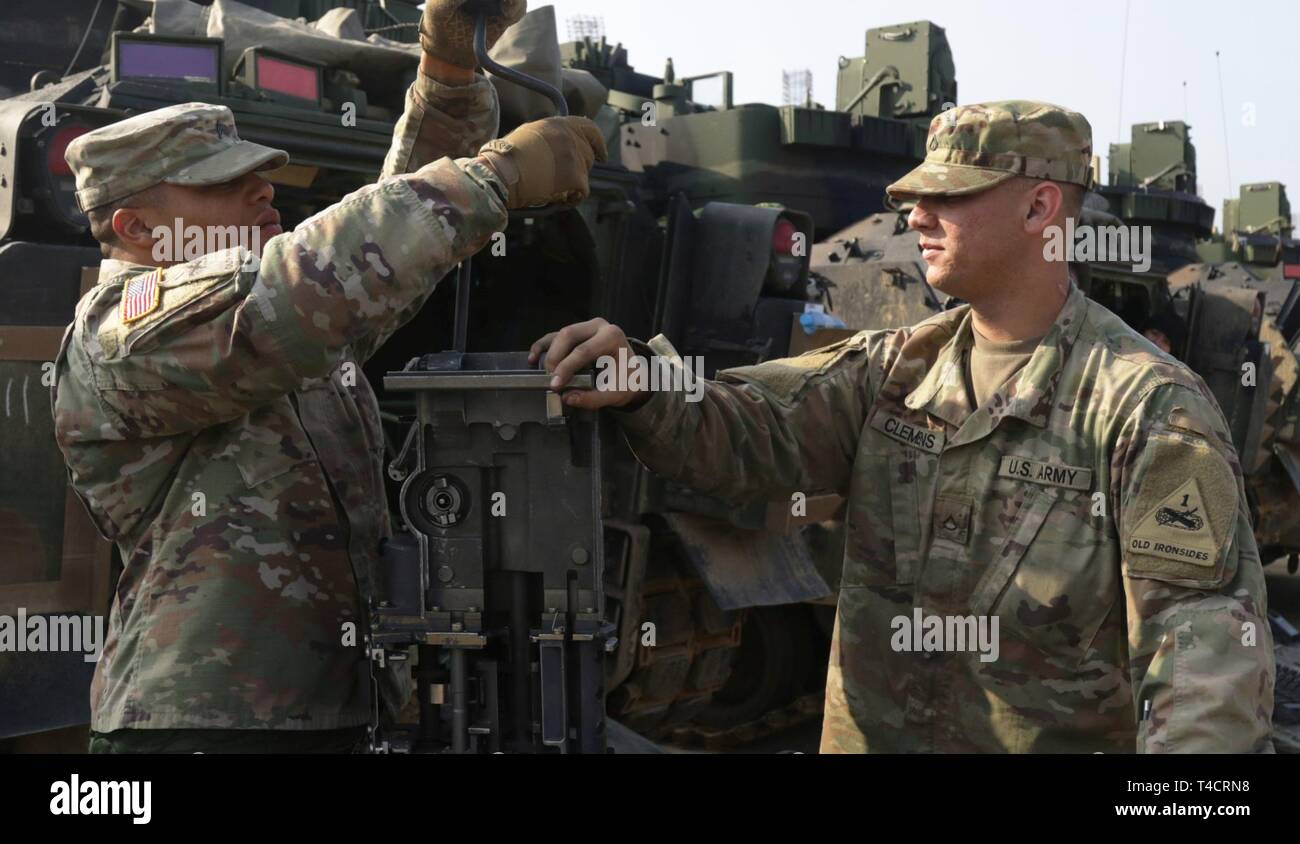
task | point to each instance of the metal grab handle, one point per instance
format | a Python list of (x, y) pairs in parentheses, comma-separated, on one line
[(480, 52), (483, 9)]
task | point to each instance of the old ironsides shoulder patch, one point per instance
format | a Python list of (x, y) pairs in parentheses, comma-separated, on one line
[(140, 297), (1177, 529), (1183, 514)]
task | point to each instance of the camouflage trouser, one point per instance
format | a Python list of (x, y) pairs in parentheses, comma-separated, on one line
[(347, 740)]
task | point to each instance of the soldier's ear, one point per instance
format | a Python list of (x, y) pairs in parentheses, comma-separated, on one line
[(132, 229), (1043, 206)]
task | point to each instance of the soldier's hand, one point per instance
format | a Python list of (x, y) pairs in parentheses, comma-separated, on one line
[(447, 29), (579, 346), (546, 161)]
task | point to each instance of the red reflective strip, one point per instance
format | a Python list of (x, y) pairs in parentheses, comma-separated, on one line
[(285, 78), (783, 237), (1291, 270)]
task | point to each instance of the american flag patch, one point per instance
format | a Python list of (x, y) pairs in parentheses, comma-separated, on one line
[(140, 297)]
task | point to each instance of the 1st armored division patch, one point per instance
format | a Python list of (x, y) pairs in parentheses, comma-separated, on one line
[(1177, 529), (1183, 514)]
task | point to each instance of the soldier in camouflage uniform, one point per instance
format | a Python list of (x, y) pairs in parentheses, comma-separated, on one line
[(215, 418), (1087, 496)]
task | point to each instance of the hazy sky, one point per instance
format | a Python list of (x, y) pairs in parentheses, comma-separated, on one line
[(1067, 53)]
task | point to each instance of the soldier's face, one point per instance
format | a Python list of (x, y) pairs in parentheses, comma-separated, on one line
[(180, 223), (244, 202), (967, 242), (972, 245), (239, 211)]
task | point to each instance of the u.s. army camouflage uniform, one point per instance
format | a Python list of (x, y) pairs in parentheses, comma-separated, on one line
[(1026, 509), (1094, 506), (230, 445)]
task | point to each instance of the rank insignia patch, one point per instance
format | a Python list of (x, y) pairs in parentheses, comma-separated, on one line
[(952, 517)]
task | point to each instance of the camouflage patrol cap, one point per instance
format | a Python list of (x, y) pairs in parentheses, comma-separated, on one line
[(972, 148), (187, 144)]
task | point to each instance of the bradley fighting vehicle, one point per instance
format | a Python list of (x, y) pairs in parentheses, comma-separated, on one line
[(1256, 255), (698, 227)]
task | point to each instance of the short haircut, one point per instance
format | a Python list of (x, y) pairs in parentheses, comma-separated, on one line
[(1071, 195), (1072, 199), (101, 218)]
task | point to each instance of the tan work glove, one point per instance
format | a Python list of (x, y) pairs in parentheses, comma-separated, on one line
[(447, 30), (546, 161)]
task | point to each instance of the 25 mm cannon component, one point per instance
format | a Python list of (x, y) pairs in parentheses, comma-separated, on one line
[(497, 580)]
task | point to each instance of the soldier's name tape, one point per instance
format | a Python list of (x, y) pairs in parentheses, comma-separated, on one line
[(907, 433)]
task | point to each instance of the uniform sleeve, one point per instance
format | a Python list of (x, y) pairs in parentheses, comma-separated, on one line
[(222, 344), (442, 121), (1200, 648), (764, 431)]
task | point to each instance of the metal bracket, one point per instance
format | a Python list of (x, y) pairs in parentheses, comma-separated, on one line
[(12, 117), (401, 465)]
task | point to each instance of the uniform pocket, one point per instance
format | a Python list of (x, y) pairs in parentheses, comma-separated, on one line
[(271, 442), (1052, 581), (1033, 512)]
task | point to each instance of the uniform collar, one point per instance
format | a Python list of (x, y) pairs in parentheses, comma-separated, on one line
[(1028, 396), (112, 268)]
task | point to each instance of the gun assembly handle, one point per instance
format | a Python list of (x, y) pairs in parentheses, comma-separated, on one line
[(482, 10)]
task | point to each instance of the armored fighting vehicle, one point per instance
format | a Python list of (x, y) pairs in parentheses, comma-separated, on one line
[(1255, 255)]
